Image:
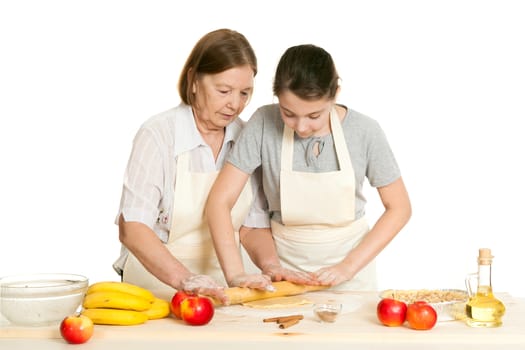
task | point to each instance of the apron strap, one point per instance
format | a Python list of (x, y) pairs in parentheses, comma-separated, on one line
[(287, 149), (342, 153), (183, 162), (343, 156)]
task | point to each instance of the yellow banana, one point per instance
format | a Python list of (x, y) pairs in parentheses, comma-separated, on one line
[(115, 316), (115, 300), (159, 309), (122, 287)]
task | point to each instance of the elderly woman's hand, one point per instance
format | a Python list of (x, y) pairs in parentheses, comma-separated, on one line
[(205, 285)]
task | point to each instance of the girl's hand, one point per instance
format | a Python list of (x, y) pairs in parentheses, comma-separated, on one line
[(332, 275), (256, 281), (279, 273)]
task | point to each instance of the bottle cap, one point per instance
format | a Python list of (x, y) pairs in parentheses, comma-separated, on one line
[(485, 256)]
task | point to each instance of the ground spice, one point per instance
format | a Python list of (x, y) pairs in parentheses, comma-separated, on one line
[(326, 315)]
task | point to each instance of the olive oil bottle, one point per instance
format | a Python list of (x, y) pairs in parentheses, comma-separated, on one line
[(483, 308)]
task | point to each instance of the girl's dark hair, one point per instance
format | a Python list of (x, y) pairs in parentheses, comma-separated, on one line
[(308, 71), (214, 53)]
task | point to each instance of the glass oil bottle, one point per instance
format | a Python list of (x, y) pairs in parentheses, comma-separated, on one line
[(483, 309)]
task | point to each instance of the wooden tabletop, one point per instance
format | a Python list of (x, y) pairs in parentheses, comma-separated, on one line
[(241, 327)]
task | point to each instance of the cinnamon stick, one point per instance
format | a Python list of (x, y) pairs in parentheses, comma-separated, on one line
[(289, 323), (282, 319)]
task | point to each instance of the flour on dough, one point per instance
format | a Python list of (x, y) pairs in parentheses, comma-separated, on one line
[(279, 302)]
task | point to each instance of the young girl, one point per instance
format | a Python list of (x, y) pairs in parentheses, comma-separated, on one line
[(314, 154)]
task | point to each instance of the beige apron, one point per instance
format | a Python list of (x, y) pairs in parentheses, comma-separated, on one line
[(318, 211), (189, 238)]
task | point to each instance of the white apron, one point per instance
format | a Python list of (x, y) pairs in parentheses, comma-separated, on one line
[(318, 211), (189, 238)]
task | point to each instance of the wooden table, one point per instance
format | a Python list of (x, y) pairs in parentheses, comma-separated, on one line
[(237, 327)]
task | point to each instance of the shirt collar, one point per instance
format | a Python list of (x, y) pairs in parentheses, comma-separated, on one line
[(188, 137)]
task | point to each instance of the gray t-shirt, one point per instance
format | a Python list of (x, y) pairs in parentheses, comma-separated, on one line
[(259, 144)]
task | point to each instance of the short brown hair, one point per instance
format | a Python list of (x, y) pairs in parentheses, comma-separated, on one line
[(308, 71), (214, 53)]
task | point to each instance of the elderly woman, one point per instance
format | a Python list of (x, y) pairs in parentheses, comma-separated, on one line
[(175, 158)]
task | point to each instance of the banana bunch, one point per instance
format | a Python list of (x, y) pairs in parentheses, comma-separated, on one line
[(121, 303)]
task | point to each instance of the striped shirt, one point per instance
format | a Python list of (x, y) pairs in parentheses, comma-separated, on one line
[(150, 176)]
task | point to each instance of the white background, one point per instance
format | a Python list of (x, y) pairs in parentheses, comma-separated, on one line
[(445, 79)]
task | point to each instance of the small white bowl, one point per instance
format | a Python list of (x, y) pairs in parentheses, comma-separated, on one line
[(41, 299)]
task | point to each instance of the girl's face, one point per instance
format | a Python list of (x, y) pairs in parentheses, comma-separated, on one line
[(306, 118), (220, 98)]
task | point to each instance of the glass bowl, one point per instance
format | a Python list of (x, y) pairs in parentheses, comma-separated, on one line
[(327, 312), (41, 299), (449, 303)]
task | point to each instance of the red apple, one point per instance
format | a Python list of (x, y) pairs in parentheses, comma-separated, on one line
[(175, 302), (391, 312), (197, 310), (421, 316), (76, 329)]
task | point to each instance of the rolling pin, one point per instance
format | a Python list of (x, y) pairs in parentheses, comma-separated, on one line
[(239, 295)]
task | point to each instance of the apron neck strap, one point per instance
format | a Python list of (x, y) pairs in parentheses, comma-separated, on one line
[(342, 153)]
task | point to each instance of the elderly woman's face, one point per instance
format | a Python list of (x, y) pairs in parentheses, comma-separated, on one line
[(220, 98)]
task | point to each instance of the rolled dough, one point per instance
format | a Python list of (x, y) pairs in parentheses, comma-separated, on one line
[(279, 302)]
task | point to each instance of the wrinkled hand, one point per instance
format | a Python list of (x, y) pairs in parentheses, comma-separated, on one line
[(204, 285), (256, 281), (333, 275), (279, 273)]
